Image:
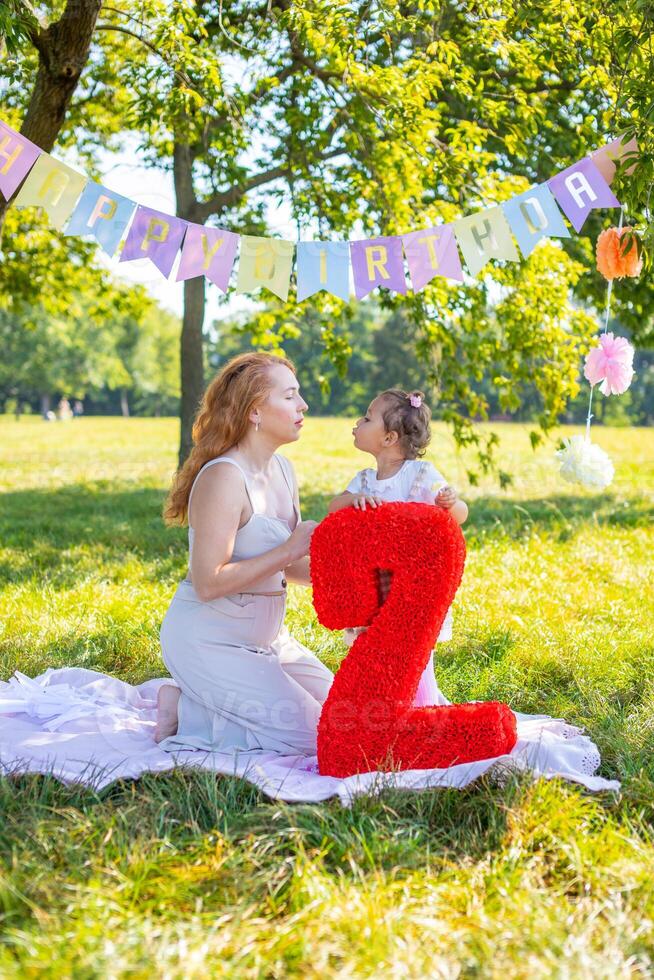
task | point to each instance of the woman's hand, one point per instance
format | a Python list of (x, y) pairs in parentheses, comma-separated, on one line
[(300, 540), (361, 499)]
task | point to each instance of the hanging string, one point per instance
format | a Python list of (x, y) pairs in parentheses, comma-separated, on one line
[(607, 314)]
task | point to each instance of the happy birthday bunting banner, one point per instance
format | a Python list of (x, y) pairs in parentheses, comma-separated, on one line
[(155, 236), (485, 236), (17, 156), (102, 214), (607, 156), (53, 186), (377, 262), (534, 215), (208, 252), (432, 252), (323, 265), (579, 189), (265, 262)]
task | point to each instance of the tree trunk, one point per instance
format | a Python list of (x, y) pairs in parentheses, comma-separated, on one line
[(124, 403), (63, 49), (192, 362), (45, 404)]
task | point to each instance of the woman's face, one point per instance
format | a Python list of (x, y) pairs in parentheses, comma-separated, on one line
[(281, 414)]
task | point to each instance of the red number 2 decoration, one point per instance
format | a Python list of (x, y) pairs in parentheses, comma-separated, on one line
[(368, 721)]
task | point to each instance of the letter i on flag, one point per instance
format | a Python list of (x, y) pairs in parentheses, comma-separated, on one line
[(101, 214), (53, 186), (377, 262), (156, 236), (208, 252), (323, 265), (17, 157)]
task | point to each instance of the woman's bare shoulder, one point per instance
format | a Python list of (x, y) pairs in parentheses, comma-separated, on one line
[(222, 472), (225, 482)]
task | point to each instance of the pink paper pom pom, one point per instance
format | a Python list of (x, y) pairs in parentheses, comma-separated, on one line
[(611, 363)]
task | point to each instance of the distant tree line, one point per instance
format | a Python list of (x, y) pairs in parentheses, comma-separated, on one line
[(380, 352)]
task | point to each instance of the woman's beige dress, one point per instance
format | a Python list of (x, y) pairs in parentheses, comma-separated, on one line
[(246, 683)]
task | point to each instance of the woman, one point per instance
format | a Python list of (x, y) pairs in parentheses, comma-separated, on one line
[(242, 681)]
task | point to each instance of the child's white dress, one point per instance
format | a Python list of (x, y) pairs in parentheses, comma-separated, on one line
[(417, 481)]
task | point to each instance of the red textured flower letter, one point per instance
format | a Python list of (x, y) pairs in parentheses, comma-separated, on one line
[(368, 721)]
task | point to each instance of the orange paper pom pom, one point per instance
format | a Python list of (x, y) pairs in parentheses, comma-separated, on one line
[(615, 259)]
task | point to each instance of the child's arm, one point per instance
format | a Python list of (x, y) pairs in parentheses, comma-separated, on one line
[(357, 495), (430, 486), (348, 499), (448, 498), (340, 501)]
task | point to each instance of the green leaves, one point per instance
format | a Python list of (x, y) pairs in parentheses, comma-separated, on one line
[(66, 326), (358, 119)]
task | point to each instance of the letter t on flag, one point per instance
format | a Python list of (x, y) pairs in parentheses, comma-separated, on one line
[(430, 253)]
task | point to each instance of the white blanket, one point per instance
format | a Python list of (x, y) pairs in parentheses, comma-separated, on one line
[(85, 727)]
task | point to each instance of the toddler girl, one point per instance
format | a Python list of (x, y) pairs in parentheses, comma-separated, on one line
[(395, 430)]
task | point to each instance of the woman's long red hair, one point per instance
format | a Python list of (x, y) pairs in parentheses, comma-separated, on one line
[(222, 421)]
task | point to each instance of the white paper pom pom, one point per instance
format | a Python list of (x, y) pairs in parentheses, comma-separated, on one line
[(584, 462)]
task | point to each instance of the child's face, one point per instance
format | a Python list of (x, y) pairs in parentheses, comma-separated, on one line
[(370, 435)]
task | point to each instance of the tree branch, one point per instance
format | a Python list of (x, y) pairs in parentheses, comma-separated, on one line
[(225, 199), (125, 30)]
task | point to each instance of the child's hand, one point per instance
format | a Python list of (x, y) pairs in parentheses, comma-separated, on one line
[(361, 499), (446, 498)]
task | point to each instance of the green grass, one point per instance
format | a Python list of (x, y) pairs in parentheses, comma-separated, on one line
[(192, 875)]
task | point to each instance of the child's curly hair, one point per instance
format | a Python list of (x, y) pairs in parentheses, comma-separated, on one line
[(410, 421)]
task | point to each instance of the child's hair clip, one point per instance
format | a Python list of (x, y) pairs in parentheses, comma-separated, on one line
[(416, 400)]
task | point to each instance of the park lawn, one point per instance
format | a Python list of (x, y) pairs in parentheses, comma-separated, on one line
[(193, 875)]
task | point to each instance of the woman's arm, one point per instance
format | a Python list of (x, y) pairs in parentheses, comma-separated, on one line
[(298, 571), (218, 502)]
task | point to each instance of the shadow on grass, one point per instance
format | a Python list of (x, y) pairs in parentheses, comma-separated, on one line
[(100, 526), (107, 527), (56, 534)]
